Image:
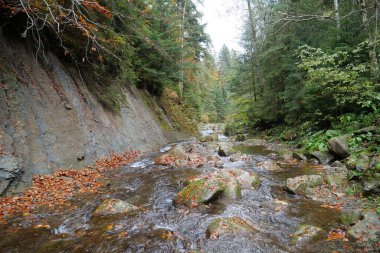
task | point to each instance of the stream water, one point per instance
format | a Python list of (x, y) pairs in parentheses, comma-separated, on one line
[(160, 227)]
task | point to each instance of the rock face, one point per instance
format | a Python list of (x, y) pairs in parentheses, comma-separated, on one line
[(304, 184), (9, 170), (339, 146), (50, 119), (228, 226), (367, 228), (114, 206)]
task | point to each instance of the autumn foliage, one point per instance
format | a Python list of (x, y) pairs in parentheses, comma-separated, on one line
[(55, 190)]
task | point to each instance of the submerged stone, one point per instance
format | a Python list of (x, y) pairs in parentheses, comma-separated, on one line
[(114, 206), (305, 233), (228, 226), (304, 184)]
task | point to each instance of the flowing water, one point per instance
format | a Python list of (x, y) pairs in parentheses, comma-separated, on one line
[(160, 227)]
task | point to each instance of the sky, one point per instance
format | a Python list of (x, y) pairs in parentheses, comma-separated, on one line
[(224, 22)]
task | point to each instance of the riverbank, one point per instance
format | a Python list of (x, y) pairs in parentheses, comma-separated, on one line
[(216, 195)]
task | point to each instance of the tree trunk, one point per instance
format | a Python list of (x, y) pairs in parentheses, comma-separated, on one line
[(337, 16), (372, 48), (254, 54)]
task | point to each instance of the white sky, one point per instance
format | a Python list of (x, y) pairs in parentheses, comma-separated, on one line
[(224, 22)]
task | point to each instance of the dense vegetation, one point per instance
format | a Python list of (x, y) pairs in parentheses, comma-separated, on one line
[(150, 44), (307, 67)]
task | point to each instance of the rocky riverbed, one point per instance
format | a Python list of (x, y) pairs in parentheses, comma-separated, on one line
[(211, 195)]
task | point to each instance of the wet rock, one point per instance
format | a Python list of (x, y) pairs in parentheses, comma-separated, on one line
[(322, 157), (247, 180), (336, 176), (219, 164), (269, 165), (350, 217), (199, 192), (339, 146), (225, 149), (178, 152), (358, 162), (371, 185), (9, 170), (337, 164), (235, 158), (304, 184), (367, 228), (299, 156), (280, 205), (240, 137), (232, 189), (228, 226), (305, 233), (228, 183), (114, 206), (375, 162), (211, 137)]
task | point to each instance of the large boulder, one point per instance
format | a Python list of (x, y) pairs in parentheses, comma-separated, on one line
[(247, 180), (336, 176), (304, 184), (9, 170), (114, 206), (367, 228), (202, 189), (305, 233), (199, 192), (322, 157), (339, 146), (228, 226), (371, 184)]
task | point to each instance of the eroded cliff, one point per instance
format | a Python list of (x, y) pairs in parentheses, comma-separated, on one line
[(49, 119)]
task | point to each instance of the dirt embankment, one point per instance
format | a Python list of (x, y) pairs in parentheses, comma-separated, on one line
[(50, 120)]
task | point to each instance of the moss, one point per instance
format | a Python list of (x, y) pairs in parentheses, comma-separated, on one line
[(112, 97), (171, 105), (349, 219), (157, 114)]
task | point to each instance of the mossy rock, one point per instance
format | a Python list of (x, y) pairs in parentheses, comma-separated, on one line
[(349, 218), (199, 192), (228, 226), (303, 184)]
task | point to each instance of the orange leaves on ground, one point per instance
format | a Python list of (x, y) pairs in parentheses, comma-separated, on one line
[(54, 190), (115, 161), (336, 235), (165, 160)]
